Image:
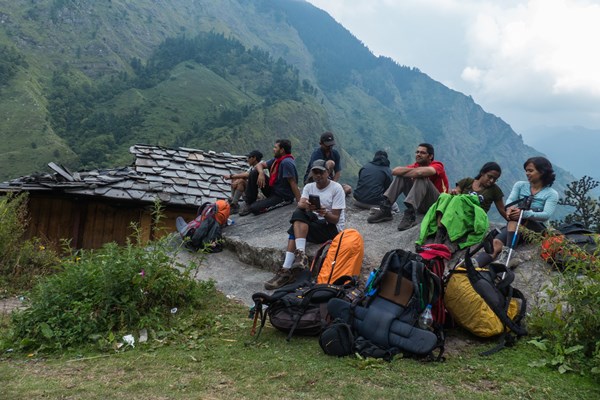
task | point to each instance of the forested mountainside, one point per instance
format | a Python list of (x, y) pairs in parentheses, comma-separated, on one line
[(82, 80)]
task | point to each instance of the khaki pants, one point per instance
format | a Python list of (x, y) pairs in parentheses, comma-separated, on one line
[(420, 193)]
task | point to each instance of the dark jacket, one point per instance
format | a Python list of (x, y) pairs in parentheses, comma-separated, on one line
[(373, 180)]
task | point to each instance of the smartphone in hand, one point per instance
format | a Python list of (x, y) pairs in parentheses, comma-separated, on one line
[(315, 200)]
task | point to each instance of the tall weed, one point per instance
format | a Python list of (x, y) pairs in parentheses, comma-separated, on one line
[(567, 320), (99, 293)]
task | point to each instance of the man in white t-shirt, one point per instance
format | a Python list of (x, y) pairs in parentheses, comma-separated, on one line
[(311, 223)]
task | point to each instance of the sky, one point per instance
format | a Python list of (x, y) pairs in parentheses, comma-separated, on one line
[(532, 63)]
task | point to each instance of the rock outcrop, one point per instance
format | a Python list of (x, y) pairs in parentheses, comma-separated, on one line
[(255, 247)]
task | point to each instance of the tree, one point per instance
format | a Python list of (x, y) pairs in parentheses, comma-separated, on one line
[(587, 210)]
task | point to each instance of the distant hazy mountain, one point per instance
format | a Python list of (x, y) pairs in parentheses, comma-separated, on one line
[(577, 155), (82, 80)]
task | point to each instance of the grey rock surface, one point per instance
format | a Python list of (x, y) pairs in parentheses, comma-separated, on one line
[(255, 247)]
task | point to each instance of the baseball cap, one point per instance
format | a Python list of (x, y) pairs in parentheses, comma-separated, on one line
[(319, 164), (256, 154), (327, 139)]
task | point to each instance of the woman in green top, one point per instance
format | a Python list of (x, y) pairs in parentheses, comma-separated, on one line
[(484, 185)]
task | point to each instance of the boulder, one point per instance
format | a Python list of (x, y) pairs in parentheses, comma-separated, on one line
[(255, 247)]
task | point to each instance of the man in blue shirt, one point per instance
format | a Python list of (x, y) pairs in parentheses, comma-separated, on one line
[(326, 152), (280, 187)]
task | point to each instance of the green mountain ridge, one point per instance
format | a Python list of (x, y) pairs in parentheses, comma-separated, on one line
[(101, 75)]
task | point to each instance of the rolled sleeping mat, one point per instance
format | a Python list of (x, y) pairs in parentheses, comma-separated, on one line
[(379, 324)]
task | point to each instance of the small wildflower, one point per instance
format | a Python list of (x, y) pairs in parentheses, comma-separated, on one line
[(42, 248), (142, 273)]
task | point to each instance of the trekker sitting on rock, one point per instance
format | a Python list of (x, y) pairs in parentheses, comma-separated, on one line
[(421, 183), (484, 185), (326, 152), (373, 180), (238, 181), (318, 218), (280, 188), (538, 204)]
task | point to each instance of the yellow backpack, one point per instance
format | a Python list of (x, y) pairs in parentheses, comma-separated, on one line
[(483, 301)]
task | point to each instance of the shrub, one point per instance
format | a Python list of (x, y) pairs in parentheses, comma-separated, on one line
[(103, 292), (20, 260), (567, 319)]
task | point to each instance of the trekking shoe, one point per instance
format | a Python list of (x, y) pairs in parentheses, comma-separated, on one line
[(409, 219), (300, 260), (281, 278), (383, 213), (245, 210), (514, 261)]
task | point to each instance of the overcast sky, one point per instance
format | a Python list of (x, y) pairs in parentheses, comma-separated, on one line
[(532, 63)]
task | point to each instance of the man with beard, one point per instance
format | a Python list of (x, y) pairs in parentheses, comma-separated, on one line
[(280, 187), (318, 218), (421, 183)]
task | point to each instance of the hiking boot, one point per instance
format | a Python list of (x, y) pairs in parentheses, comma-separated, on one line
[(281, 278), (245, 210), (300, 260), (381, 214), (409, 219), (514, 261)]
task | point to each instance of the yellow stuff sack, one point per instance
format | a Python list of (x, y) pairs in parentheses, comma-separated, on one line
[(470, 310)]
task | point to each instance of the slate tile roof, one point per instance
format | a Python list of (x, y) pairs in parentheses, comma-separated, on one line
[(182, 176)]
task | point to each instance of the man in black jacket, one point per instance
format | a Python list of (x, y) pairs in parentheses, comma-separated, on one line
[(373, 180)]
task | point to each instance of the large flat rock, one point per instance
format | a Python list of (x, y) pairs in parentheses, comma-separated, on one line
[(255, 247)]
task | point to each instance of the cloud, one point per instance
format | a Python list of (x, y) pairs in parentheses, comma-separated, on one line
[(527, 61)]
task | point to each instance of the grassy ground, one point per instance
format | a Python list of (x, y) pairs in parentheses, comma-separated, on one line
[(221, 364)]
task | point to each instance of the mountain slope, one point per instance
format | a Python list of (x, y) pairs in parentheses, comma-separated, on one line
[(102, 75)]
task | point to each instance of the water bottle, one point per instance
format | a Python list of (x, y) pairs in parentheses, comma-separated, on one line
[(426, 318), (230, 221)]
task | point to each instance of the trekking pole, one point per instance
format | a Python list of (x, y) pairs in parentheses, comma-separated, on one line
[(526, 206)]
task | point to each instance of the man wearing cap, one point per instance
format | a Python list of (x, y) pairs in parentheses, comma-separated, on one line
[(311, 223), (238, 181), (280, 186), (421, 183), (326, 152)]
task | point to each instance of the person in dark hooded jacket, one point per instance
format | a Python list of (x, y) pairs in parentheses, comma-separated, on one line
[(373, 180)]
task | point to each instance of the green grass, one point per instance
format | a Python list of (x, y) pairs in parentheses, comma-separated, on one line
[(220, 364)]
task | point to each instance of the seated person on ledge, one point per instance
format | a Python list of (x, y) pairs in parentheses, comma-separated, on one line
[(484, 186), (239, 180), (538, 203), (373, 180), (280, 188), (421, 183), (311, 223)]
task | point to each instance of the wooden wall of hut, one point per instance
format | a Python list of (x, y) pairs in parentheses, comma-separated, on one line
[(90, 222)]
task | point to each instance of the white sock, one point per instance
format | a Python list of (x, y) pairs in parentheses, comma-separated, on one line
[(301, 244), (289, 260)]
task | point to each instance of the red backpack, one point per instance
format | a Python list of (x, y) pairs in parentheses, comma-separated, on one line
[(433, 256), (204, 231)]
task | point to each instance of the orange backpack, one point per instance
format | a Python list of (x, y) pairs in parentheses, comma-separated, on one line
[(222, 211), (340, 257)]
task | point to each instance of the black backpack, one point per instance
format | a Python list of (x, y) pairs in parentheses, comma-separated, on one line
[(385, 320), (300, 307)]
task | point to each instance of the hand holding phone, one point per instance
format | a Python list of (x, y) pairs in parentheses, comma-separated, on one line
[(315, 201)]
